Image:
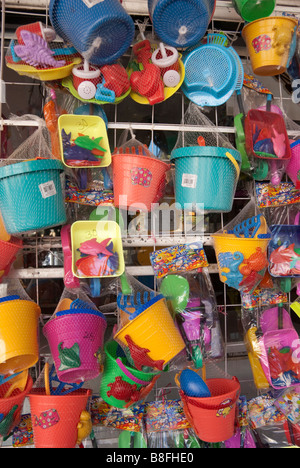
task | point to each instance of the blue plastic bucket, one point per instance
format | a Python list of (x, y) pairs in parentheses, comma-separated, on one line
[(101, 24), (206, 176), (181, 23), (32, 195)]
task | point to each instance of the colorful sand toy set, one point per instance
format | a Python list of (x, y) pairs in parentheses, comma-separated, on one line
[(113, 340)]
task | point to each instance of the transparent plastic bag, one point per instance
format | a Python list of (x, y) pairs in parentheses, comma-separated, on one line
[(241, 249)]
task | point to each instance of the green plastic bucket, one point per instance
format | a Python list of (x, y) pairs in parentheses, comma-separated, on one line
[(120, 382), (251, 10)]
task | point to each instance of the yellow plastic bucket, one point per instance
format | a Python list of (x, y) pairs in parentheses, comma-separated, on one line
[(19, 348), (154, 329), (269, 42), (242, 262)]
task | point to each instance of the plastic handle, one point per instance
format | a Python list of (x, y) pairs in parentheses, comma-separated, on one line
[(233, 160), (129, 375)]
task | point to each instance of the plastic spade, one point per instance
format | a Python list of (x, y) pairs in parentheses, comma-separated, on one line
[(176, 290)]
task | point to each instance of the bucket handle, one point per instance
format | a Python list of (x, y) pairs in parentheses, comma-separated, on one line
[(234, 162), (129, 374)]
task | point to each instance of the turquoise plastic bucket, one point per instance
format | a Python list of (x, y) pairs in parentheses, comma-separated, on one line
[(206, 176), (32, 195)]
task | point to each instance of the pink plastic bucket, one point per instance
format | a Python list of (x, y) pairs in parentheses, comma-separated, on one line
[(293, 168), (75, 339)]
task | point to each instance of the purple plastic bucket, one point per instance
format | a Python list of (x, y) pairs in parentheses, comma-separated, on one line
[(75, 339)]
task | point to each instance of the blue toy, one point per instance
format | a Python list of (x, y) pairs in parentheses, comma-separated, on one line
[(193, 385)]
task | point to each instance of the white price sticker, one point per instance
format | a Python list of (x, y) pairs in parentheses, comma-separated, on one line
[(189, 180), (48, 189)]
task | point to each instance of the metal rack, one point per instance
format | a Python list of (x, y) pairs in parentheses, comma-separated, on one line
[(225, 14)]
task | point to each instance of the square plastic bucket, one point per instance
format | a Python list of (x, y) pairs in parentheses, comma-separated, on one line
[(32, 195)]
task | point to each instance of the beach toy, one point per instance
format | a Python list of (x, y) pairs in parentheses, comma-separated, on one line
[(11, 407), (17, 382), (251, 10), (181, 23), (278, 348), (121, 383), (166, 58), (129, 439), (284, 253), (267, 141), (192, 184), (36, 51), (103, 241), (100, 31), (32, 195), (138, 178), (213, 417), (213, 72), (55, 418), (83, 141), (8, 253), (193, 385), (19, 348), (151, 336), (253, 349), (242, 261), (76, 337), (70, 280), (293, 167), (86, 77), (176, 290), (269, 42)]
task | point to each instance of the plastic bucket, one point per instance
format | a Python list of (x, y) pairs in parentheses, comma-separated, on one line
[(55, 417), (269, 42), (120, 382), (206, 176), (32, 195), (19, 347), (75, 338), (181, 23), (251, 10), (11, 408), (242, 262), (213, 418), (9, 251), (100, 30), (293, 168), (139, 181), (154, 329)]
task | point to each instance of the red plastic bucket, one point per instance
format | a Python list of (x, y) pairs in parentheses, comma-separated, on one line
[(139, 180), (11, 408), (213, 418), (55, 417), (8, 251)]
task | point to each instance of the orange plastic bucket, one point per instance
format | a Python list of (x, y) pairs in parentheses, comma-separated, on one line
[(138, 180), (213, 418), (55, 417), (269, 42)]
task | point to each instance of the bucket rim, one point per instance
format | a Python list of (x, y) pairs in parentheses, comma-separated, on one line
[(128, 367), (67, 312), (79, 393), (209, 405), (269, 19), (123, 329), (235, 238), (36, 165), (204, 151), (4, 304), (144, 158)]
